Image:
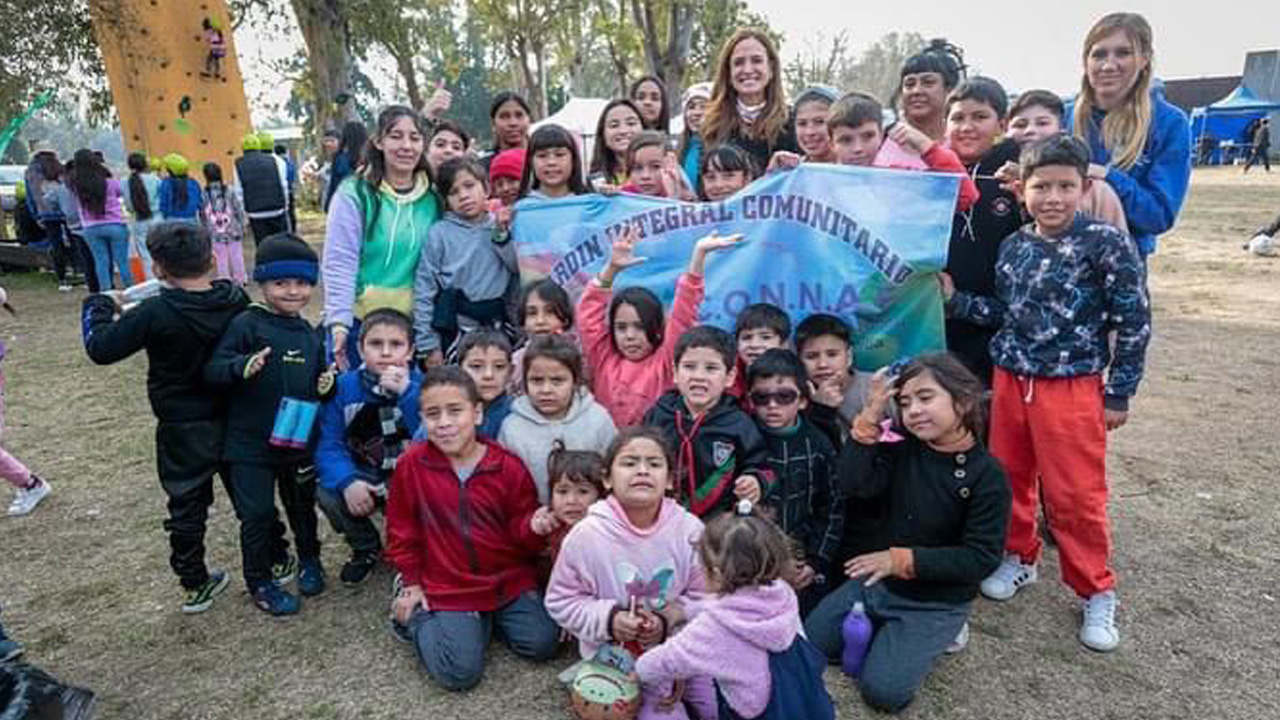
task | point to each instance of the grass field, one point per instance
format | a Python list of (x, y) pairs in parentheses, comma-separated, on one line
[(86, 586)]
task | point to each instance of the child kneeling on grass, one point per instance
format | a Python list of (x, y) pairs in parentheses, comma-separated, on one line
[(460, 532), (364, 429)]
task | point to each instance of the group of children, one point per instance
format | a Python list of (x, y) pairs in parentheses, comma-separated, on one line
[(636, 479)]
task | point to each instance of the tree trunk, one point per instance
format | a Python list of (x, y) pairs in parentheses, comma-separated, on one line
[(404, 64), (327, 37)]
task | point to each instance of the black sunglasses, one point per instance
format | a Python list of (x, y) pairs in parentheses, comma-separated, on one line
[(782, 397)]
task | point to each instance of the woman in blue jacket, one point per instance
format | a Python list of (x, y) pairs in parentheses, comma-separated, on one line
[(1141, 144)]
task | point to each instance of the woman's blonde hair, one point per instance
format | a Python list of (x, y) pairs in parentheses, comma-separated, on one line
[(722, 111), (1125, 129)]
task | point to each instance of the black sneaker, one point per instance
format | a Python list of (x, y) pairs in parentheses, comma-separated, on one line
[(201, 598), (358, 568), (282, 572)]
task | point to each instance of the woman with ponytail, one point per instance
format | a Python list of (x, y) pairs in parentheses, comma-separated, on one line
[(143, 203), (1140, 143)]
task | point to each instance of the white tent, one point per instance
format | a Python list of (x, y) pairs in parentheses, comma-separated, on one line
[(579, 116)]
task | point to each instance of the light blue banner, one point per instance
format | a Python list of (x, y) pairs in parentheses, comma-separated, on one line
[(861, 243)]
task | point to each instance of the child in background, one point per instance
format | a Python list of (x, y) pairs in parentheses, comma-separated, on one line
[(720, 454), (142, 200), (856, 124), (466, 267), (725, 170), (948, 504), (975, 125), (29, 488), (759, 327), (178, 330), (689, 151), (270, 362), (504, 178), (1036, 115), (805, 497), (217, 43), (628, 345), (625, 571), (577, 482), (825, 346), (557, 408), (646, 166), (179, 194), (460, 532), (650, 97), (364, 429), (448, 141), (62, 222), (810, 111), (620, 121), (553, 165), (222, 214), (1064, 286), (747, 638), (485, 355), (544, 309)]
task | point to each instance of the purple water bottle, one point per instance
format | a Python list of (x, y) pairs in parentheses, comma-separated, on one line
[(857, 638)]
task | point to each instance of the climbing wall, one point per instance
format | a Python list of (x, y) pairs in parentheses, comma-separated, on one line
[(155, 53)]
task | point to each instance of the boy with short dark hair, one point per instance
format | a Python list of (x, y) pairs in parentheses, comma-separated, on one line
[(485, 355), (364, 429), (759, 327), (805, 494), (825, 346), (270, 362), (178, 329), (718, 447)]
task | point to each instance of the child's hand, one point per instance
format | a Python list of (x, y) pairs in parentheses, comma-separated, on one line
[(359, 498), (650, 627), (669, 703), (1097, 172), (339, 335), (607, 189), (623, 254), (256, 362), (874, 566), (503, 216), (709, 244), (439, 102), (1010, 177), (674, 613), (394, 379), (804, 576), (829, 392), (882, 391), (1115, 419), (783, 160), (435, 358), (910, 138), (543, 522), (410, 598), (626, 626), (747, 486), (947, 285)]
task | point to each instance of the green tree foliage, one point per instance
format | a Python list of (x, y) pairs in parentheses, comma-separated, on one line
[(51, 45), (829, 61)]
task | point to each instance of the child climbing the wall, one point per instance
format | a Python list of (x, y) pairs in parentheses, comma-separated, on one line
[(217, 43)]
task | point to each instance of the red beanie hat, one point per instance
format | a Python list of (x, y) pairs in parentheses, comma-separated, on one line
[(508, 164)]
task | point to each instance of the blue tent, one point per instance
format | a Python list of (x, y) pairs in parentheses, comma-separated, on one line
[(1227, 121)]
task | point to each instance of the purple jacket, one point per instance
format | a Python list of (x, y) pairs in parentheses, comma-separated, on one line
[(730, 641)]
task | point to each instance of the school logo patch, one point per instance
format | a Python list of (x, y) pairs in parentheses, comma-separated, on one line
[(1001, 206), (721, 452)]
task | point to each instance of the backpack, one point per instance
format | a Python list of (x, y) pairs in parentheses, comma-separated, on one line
[(798, 689), (218, 214)]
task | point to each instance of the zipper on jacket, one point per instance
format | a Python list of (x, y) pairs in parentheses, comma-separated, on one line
[(464, 519)]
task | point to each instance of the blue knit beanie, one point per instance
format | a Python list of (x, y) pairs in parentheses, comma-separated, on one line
[(285, 255)]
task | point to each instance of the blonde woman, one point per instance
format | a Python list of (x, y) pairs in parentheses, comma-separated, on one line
[(1140, 144)]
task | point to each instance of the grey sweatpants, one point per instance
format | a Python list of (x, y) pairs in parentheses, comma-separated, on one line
[(909, 637)]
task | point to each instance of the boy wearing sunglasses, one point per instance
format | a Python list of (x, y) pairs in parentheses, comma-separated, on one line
[(804, 496)]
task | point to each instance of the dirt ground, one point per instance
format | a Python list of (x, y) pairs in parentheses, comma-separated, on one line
[(86, 586)]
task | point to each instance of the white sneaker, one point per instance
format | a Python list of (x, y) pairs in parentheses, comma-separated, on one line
[(1008, 579), (26, 499), (1098, 629), (961, 641)]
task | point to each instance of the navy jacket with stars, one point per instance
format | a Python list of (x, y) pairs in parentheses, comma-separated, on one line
[(1057, 299)]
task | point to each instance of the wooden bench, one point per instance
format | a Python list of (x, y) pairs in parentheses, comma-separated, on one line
[(23, 256)]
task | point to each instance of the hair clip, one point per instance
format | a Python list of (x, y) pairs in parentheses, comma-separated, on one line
[(743, 509)]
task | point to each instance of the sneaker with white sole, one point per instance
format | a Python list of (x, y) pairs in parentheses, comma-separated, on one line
[(1009, 578), (1098, 629), (961, 641), (26, 499)]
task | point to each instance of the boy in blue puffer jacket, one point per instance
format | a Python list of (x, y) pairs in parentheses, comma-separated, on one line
[(364, 428)]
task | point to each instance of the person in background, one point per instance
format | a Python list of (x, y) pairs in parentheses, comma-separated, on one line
[(650, 95), (291, 176), (222, 214), (102, 217), (29, 488), (347, 158), (689, 151), (925, 81), (748, 105), (264, 186), (143, 203), (509, 115), (179, 194), (1261, 145)]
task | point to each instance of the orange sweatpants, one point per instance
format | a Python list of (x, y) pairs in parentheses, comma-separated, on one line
[(1050, 436)]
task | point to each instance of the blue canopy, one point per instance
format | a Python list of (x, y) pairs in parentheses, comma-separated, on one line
[(1229, 119)]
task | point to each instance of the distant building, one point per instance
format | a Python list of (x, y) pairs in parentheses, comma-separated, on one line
[(1192, 93)]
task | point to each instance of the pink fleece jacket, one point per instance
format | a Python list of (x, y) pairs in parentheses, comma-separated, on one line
[(605, 561), (628, 388), (730, 640), (939, 159)]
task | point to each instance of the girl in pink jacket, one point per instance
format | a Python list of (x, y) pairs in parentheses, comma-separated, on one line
[(629, 347), (629, 571), (748, 637)]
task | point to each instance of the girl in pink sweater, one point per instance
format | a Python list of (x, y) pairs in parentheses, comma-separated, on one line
[(748, 637), (628, 345), (629, 570)]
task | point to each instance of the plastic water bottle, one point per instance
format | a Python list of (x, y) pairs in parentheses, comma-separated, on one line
[(857, 639), (131, 296)]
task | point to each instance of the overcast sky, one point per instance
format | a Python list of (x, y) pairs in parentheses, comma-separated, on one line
[(1024, 45)]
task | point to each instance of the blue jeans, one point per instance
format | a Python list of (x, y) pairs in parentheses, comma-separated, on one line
[(109, 244), (909, 637), (451, 645)]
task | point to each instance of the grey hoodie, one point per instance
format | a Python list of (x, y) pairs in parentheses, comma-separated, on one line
[(463, 255), (530, 435)]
